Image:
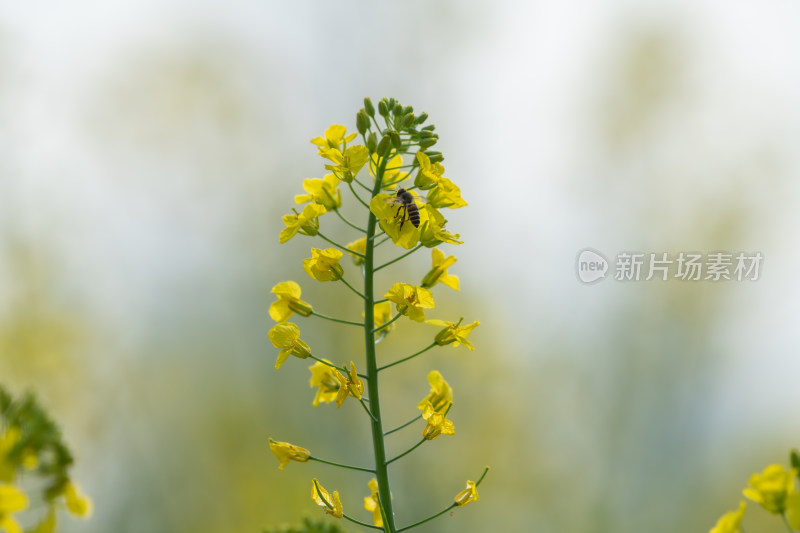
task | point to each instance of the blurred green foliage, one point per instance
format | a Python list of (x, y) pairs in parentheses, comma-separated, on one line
[(309, 526)]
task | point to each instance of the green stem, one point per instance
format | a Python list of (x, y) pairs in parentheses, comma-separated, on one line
[(340, 465), (352, 288), (383, 240), (362, 185), (381, 470), (383, 326), (399, 258), (786, 521), (343, 248), (360, 523), (437, 515), (364, 405), (485, 471), (339, 320), (408, 451), (315, 358), (358, 197), (404, 359), (362, 230), (440, 513), (398, 428)]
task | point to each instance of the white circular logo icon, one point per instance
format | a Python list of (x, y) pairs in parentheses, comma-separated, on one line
[(591, 266)]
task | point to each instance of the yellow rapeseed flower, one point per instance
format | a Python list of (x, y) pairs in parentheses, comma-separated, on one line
[(410, 300), (350, 385), (372, 504), (360, 246), (286, 336), (288, 302), (730, 522), (429, 173), (441, 395), (446, 194), (286, 453), (347, 164), (386, 211), (438, 272), (771, 487), (321, 191), (306, 222), (323, 265), (78, 503), (335, 137), (453, 333), (470, 494), (323, 376), (12, 500), (438, 424), (432, 232), (332, 505)]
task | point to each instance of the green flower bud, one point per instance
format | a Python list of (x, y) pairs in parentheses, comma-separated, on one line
[(368, 107), (429, 127), (372, 142), (396, 142), (383, 107), (407, 121), (424, 144), (392, 102), (383, 146), (422, 118), (435, 157), (362, 122), (794, 458)]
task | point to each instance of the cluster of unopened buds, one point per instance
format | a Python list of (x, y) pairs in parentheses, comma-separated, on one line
[(395, 146)]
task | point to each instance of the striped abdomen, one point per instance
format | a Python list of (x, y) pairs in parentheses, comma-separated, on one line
[(413, 213)]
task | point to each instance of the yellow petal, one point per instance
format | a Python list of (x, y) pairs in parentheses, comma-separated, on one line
[(12, 499), (77, 503)]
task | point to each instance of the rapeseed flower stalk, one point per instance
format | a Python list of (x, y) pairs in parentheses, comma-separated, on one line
[(394, 147), (31, 444)]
